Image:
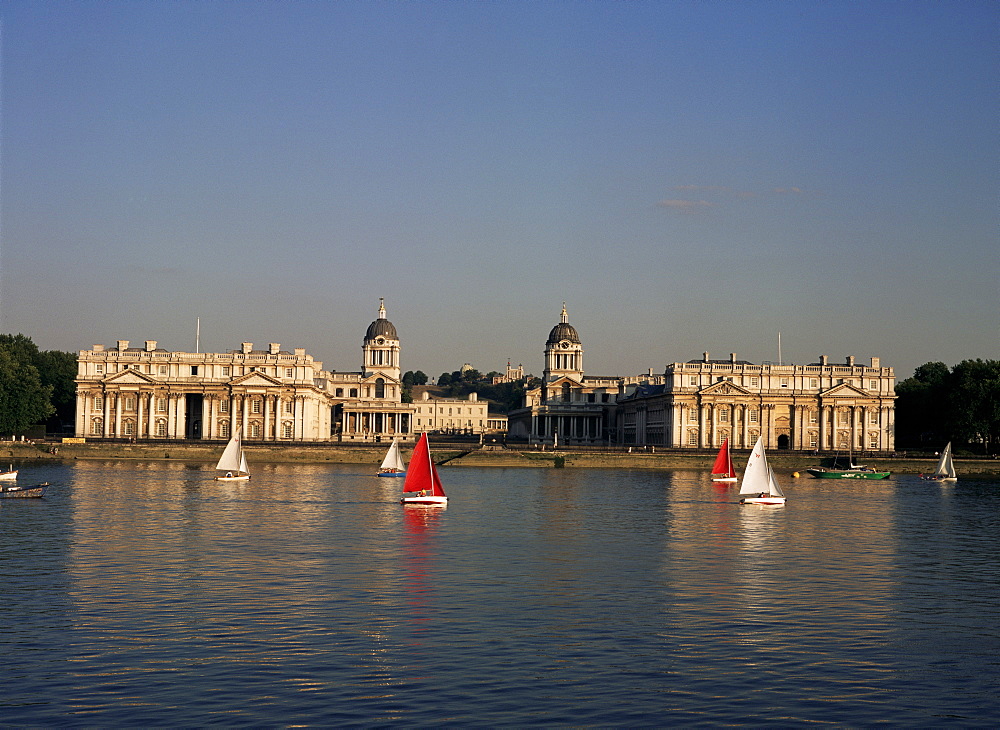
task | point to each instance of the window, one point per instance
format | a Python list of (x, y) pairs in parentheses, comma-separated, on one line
[(723, 415), (161, 405), (255, 430), (194, 369), (161, 428), (225, 371), (784, 382), (340, 392), (692, 438), (845, 417), (813, 417), (692, 380), (224, 405), (289, 406), (98, 402), (872, 416), (752, 415), (289, 372), (813, 382), (754, 382), (354, 392), (255, 406), (813, 441), (873, 385), (129, 428), (224, 429), (286, 430), (100, 368), (380, 388), (163, 369), (692, 415), (130, 403), (97, 427)]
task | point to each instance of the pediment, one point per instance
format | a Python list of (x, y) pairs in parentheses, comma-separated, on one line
[(130, 377), (372, 377), (843, 390), (564, 380), (255, 380), (725, 388)]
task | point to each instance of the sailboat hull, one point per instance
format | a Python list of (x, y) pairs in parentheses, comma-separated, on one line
[(428, 499), (762, 500), (725, 479), (392, 474), (822, 473), (243, 478), (8, 474)]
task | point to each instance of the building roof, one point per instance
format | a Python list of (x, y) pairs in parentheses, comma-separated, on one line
[(563, 331), (381, 327)]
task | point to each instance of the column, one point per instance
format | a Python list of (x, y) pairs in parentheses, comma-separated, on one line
[(702, 425), (140, 398)]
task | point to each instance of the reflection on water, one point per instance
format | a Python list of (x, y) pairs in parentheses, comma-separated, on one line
[(143, 593)]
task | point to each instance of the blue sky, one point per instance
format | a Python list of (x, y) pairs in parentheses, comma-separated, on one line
[(686, 176)]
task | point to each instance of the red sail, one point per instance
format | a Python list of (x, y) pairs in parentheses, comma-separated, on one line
[(723, 462), (421, 474)]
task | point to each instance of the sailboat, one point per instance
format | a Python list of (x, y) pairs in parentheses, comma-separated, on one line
[(759, 485), (11, 473), (233, 461), (423, 485), (723, 469), (392, 464), (945, 471)]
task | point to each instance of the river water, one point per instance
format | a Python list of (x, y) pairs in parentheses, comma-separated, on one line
[(148, 594)]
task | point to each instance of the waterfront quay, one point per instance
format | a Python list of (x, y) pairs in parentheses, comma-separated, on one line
[(457, 453)]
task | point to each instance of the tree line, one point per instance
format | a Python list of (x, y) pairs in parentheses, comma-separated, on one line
[(36, 387), (961, 405)]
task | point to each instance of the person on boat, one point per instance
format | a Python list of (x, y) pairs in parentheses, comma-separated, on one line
[(228, 474)]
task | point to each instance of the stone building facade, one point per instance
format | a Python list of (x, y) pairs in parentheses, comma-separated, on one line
[(274, 395), (823, 406)]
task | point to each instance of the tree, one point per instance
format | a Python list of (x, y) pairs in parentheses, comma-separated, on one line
[(922, 411), (408, 378), (445, 379), (975, 401), (24, 399), (58, 370), (420, 378)]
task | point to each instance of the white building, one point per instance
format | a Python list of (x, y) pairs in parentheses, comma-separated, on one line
[(273, 395)]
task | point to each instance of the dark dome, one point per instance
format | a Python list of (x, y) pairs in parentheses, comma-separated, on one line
[(563, 331), (381, 328)]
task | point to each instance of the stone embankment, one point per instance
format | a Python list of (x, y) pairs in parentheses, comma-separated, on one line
[(456, 456)]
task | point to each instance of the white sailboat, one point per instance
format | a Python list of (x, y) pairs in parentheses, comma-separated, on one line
[(945, 471), (393, 464), (759, 485), (233, 461), (11, 473)]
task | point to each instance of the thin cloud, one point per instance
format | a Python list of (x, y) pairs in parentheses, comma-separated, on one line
[(684, 206), (788, 191), (703, 188)]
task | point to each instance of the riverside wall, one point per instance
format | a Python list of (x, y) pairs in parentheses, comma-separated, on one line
[(453, 455)]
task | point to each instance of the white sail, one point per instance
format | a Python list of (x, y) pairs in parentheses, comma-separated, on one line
[(945, 467), (775, 487), (757, 477), (393, 461), (232, 458)]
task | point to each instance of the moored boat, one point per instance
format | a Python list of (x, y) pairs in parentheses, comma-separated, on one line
[(855, 472), (25, 492), (11, 473)]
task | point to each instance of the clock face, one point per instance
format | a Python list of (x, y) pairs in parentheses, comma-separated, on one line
[(564, 344), (380, 341)]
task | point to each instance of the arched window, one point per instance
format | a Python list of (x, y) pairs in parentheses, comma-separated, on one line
[(380, 388), (566, 393)]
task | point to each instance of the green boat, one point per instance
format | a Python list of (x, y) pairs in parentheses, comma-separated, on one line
[(831, 469), (861, 472)]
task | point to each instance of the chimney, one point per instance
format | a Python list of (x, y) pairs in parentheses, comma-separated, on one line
[(247, 348), (122, 345), (274, 348), (876, 362), (706, 357), (822, 360), (850, 361), (732, 357), (98, 348), (150, 345)]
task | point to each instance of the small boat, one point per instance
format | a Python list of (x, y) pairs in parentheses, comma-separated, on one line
[(233, 461), (759, 485), (723, 469), (25, 492), (834, 469), (392, 464), (423, 485), (11, 473), (945, 471)]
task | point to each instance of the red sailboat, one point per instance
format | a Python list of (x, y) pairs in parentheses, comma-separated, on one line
[(722, 470), (423, 485)]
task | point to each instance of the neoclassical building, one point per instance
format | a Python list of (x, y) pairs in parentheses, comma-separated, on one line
[(272, 394), (569, 407), (823, 406)]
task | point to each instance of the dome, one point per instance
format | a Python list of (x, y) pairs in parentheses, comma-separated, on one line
[(381, 327), (563, 331)]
